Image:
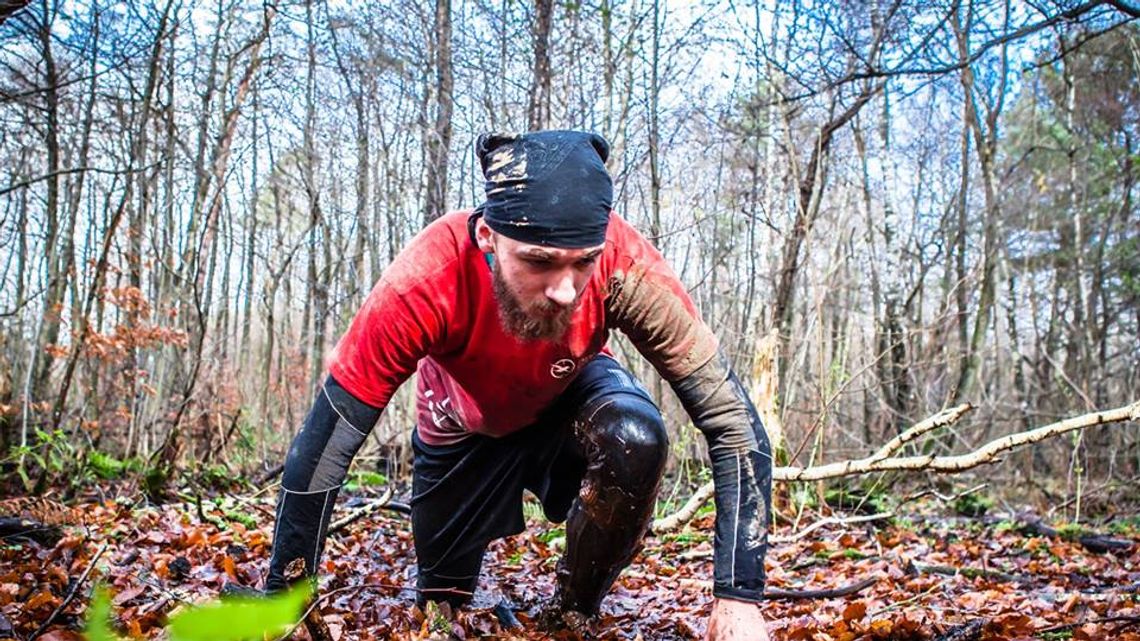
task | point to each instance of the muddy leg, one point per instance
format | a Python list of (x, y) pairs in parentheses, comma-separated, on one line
[(625, 443)]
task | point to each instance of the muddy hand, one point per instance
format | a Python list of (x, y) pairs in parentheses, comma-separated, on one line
[(736, 621)]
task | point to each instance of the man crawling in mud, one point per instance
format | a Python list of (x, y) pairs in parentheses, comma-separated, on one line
[(504, 313)]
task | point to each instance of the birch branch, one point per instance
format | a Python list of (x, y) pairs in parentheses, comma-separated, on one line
[(960, 462), (942, 419), (881, 461), (686, 513)]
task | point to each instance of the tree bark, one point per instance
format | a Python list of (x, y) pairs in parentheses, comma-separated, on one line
[(538, 106), (439, 137)]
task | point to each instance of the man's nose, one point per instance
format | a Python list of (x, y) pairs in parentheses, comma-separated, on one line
[(561, 290)]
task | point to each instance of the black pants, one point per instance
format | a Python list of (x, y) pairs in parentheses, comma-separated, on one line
[(594, 459)]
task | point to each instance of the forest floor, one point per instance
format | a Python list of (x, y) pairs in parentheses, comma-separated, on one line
[(931, 578)]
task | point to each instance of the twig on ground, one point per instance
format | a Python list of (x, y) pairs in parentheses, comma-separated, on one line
[(943, 497), (969, 573), (769, 593), (905, 602), (369, 508), (789, 538), (348, 588), (71, 594), (832, 593)]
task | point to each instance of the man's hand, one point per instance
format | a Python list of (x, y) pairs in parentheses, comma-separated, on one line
[(736, 621)]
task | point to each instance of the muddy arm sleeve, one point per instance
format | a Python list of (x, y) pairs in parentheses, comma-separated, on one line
[(315, 468), (650, 305), (742, 474)]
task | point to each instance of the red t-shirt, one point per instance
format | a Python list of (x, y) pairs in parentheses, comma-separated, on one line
[(434, 308)]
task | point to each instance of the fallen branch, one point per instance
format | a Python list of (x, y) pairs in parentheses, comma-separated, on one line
[(961, 462), (832, 593), (789, 538), (1068, 627), (773, 594), (20, 528), (367, 509), (269, 475), (942, 419), (968, 572), (1093, 542), (686, 513), (881, 461)]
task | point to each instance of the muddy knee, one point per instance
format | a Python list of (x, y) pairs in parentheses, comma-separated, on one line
[(626, 449)]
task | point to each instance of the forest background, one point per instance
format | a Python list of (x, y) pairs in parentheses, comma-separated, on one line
[(882, 208)]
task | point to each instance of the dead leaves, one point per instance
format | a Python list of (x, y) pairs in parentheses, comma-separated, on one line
[(163, 559)]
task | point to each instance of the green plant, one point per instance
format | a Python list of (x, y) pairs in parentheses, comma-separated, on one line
[(105, 466), (235, 619), (364, 478), (973, 505), (49, 457), (1071, 531), (864, 500), (1127, 526)]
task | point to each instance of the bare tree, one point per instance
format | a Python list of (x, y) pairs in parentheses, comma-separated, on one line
[(439, 136)]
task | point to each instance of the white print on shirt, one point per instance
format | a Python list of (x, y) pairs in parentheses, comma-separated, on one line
[(441, 411), (562, 368)]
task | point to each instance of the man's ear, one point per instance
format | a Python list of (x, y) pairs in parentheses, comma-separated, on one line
[(484, 237)]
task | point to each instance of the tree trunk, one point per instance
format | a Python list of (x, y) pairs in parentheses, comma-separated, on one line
[(538, 106), (985, 140), (439, 137), (56, 278)]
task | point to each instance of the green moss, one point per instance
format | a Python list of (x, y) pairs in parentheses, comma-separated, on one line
[(1071, 531), (358, 479), (687, 537), (973, 505), (105, 466)]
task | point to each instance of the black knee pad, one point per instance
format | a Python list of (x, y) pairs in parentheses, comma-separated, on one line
[(624, 436)]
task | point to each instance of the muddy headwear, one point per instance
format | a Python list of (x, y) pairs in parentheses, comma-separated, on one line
[(547, 187)]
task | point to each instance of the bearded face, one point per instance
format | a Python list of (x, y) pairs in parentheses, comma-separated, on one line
[(542, 319)]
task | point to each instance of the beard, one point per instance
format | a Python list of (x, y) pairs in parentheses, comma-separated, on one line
[(546, 320)]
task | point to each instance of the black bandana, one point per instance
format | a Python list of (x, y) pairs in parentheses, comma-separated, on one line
[(547, 187)]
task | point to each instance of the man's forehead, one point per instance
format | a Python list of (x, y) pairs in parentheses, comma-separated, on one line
[(543, 251)]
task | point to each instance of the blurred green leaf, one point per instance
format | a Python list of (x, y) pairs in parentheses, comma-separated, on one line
[(241, 619), (98, 615)]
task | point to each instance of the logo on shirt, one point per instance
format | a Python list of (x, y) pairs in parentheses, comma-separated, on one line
[(562, 368)]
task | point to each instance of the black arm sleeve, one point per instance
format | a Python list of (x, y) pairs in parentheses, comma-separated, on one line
[(315, 468), (742, 472)]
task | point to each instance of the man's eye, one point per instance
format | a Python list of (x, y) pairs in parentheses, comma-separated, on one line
[(586, 262)]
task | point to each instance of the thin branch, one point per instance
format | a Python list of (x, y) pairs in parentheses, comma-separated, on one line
[(869, 518), (74, 170), (1003, 39), (830, 593), (942, 419), (70, 595)]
